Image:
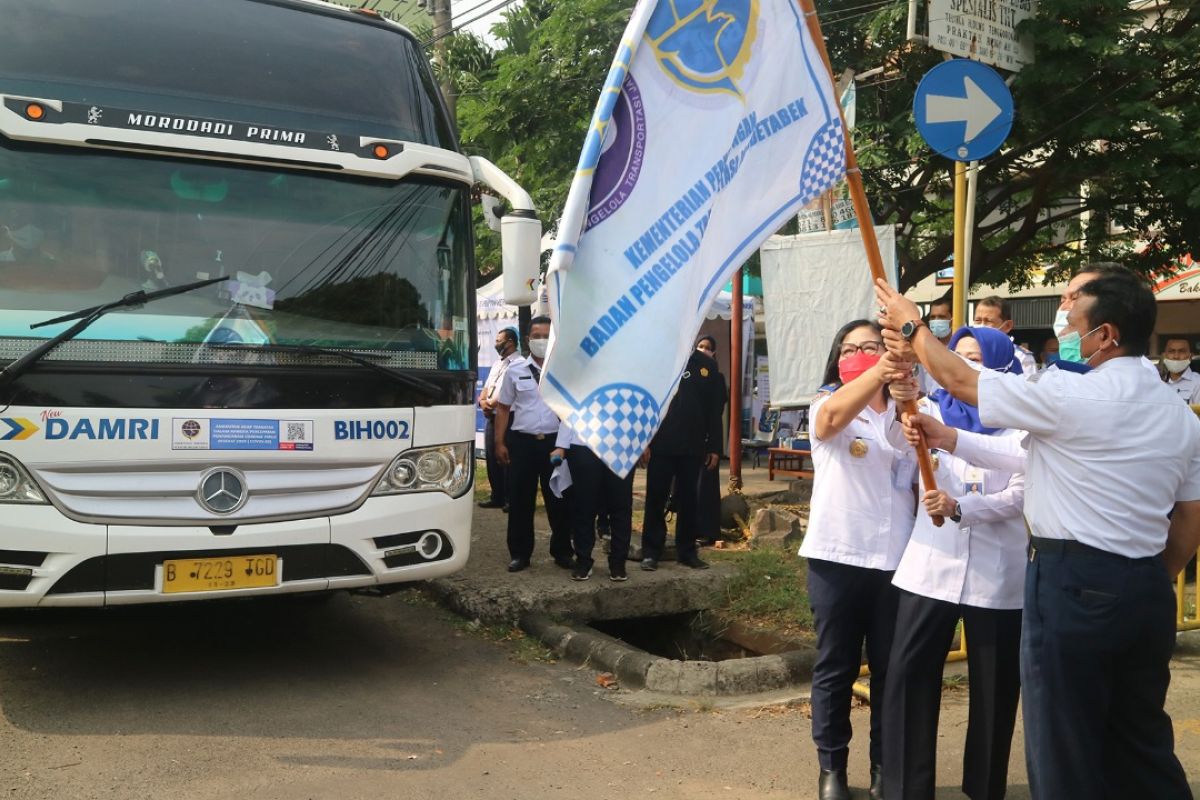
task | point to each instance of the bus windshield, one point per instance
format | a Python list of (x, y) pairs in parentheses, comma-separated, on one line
[(312, 259)]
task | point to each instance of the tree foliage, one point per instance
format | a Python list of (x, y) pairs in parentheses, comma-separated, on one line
[(1104, 138)]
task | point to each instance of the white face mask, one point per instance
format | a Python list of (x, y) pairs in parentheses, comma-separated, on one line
[(1176, 365), (1060, 322), (537, 347)]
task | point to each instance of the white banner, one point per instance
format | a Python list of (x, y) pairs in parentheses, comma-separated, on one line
[(715, 125), (814, 284), (983, 31)]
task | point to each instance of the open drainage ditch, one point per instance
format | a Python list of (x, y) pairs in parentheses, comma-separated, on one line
[(680, 637), (689, 654)]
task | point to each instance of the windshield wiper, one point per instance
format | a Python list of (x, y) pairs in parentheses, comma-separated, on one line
[(86, 317), (428, 388)]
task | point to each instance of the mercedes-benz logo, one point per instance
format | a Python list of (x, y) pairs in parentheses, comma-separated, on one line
[(222, 490)]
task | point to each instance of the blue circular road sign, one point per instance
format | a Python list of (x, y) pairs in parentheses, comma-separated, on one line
[(963, 110)]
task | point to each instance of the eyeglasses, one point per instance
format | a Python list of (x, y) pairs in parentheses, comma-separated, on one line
[(870, 348)]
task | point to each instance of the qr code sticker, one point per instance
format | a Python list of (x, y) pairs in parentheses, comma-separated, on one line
[(295, 432)]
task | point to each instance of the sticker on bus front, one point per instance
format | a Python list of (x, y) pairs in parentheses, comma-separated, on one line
[(199, 433)]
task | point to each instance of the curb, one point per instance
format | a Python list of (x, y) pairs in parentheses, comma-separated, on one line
[(637, 669)]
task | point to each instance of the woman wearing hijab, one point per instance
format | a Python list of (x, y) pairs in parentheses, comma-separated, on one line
[(861, 516), (972, 567)]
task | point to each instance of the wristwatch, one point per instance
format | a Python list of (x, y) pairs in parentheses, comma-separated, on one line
[(957, 515), (909, 329)]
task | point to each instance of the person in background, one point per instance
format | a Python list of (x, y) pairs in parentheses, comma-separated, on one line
[(1089, 272), (939, 319), (708, 493), (526, 452), (687, 441), (861, 517), (1049, 351), (508, 349), (996, 312), (1177, 364), (595, 486), (972, 567), (1113, 508)]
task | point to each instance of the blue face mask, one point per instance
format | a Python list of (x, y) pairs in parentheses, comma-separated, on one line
[(939, 328)]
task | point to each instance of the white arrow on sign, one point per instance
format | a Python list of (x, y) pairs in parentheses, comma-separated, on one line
[(976, 109)]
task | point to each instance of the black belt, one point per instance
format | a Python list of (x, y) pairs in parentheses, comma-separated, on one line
[(1064, 547), (537, 436)]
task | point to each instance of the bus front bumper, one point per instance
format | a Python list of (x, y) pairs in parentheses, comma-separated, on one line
[(49, 560)]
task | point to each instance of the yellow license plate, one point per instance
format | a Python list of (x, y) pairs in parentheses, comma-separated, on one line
[(218, 574)]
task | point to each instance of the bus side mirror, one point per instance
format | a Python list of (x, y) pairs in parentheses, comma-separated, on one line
[(521, 246)]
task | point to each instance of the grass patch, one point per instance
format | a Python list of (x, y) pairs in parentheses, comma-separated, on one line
[(768, 589)]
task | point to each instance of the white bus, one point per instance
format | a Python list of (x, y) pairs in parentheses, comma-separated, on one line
[(237, 302)]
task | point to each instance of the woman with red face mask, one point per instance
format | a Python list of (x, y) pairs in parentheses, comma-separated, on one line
[(862, 513)]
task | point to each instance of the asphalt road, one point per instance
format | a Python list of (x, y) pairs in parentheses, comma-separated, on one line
[(370, 698)]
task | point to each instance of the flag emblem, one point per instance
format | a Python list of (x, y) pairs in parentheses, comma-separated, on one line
[(704, 45)]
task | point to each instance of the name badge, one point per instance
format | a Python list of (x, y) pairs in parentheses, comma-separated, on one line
[(859, 447), (973, 482)]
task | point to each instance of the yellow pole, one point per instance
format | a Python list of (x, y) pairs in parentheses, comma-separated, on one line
[(960, 238), (1179, 597)]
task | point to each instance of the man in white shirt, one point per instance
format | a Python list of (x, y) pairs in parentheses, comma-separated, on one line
[(996, 312), (1177, 361), (1113, 504), (507, 344), (526, 452)]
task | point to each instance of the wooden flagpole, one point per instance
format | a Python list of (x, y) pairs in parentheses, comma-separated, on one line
[(866, 226)]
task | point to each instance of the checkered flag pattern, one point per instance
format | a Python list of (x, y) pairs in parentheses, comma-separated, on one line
[(617, 422), (825, 161)]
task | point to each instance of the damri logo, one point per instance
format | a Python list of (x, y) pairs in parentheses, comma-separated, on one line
[(107, 428), (704, 45)]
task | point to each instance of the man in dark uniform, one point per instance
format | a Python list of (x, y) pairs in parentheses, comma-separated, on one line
[(688, 441)]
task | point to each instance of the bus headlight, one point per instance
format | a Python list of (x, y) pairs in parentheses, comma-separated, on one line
[(15, 484), (444, 468)]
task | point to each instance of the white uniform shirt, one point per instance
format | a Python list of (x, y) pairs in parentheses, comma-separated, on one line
[(862, 507), (567, 437), (519, 391), (1028, 362), (496, 374), (979, 561), (1187, 387), (1110, 452)]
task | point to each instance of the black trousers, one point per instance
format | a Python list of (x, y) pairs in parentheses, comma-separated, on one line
[(1095, 664), (924, 631), (495, 470), (660, 472), (708, 505), (529, 465), (594, 485), (850, 605)]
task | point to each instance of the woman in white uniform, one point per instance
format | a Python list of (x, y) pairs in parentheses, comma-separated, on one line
[(972, 567), (861, 516)]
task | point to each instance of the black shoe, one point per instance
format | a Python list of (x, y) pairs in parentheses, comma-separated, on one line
[(616, 572), (649, 564), (581, 572), (565, 563), (518, 564), (491, 504), (694, 562), (832, 785), (876, 792), (505, 508)]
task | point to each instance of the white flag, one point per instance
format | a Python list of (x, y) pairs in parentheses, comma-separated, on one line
[(717, 122)]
